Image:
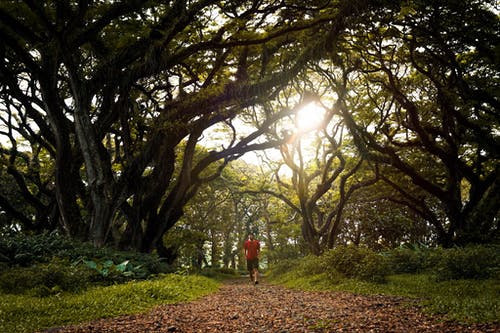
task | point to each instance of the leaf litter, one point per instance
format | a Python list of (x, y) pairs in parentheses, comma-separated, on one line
[(242, 307)]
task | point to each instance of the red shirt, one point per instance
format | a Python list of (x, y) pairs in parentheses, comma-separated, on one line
[(252, 248)]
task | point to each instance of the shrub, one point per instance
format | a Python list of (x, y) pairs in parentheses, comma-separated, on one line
[(408, 260), (215, 272), (20, 250), (45, 279), (108, 272), (471, 262), (282, 253), (284, 266), (302, 267), (226, 271), (341, 262), (309, 265), (356, 262)]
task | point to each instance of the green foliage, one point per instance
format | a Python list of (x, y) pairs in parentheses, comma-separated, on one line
[(294, 273), (336, 265), (471, 262), (226, 271), (45, 279), (285, 251), (108, 270), (47, 264), (408, 260), (20, 250), (221, 273), (462, 300), (309, 265), (283, 267), (24, 313), (461, 283), (356, 262)]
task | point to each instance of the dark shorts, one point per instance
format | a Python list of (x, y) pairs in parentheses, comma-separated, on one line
[(252, 264)]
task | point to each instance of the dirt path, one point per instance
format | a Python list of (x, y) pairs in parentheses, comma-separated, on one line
[(280, 310)]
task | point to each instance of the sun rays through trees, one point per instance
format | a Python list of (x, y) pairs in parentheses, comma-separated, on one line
[(106, 109)]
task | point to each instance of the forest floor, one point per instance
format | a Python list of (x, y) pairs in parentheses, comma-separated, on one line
[(240, 306)]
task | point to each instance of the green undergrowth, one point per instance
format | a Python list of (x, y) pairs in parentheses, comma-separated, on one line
[(45, 255), (466, 301), (25, 313)]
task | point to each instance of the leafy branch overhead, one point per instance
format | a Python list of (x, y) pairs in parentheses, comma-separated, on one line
[(106, 107)]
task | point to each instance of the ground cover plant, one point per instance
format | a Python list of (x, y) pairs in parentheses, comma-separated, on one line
[(460, 283)]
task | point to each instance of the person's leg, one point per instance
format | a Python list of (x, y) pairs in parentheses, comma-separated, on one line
[(256, 275), (256, 270), (250, 269)]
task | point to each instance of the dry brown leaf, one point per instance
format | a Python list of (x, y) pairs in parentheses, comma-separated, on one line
[(243, 307)]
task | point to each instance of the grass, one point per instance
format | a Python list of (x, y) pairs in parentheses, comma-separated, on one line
[(467, 301), (23, 313)]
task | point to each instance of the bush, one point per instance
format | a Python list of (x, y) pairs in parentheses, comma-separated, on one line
[(309, 265), (408, 260), (45, 279), (226, 271), (356, 262), (216, 272), (108, 272), (284, 266), (20, 250), (471, 262), (282, 253), (337, 264)]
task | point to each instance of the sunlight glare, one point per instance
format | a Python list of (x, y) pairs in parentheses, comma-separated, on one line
[(310, 117)]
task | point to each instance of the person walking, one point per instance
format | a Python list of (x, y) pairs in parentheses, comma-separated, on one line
[(252, 251)]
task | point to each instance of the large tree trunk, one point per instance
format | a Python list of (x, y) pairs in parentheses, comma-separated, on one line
[(96, 166), (482, 216), (131, 238), (156, 227), (66, 187), (311, 237), (66, 191)]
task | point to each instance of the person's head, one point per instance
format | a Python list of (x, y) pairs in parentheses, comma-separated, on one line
[(250, 236)]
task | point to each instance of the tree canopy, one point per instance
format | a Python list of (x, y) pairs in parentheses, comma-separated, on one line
[(105, 108)]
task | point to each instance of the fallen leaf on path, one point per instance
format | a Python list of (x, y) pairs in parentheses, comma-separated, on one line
[(242, 307)]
